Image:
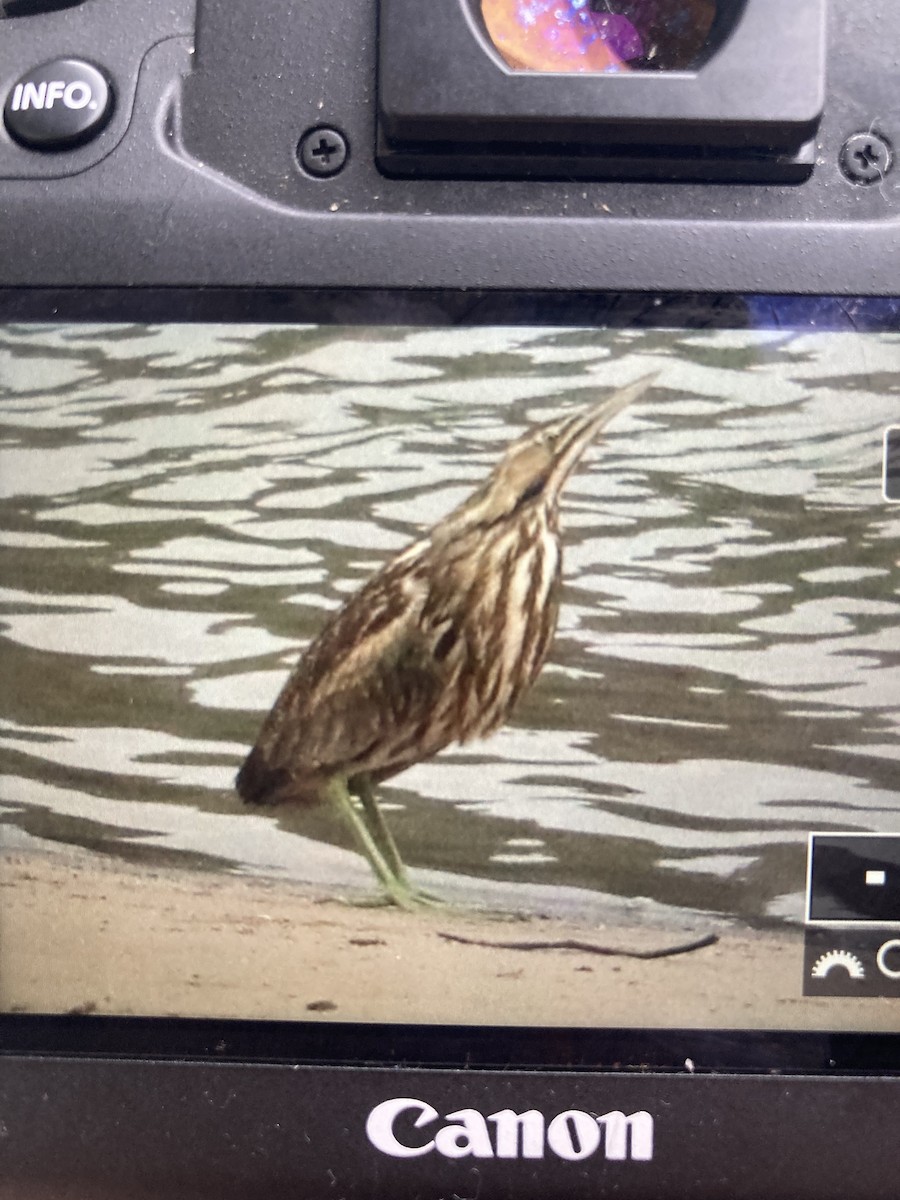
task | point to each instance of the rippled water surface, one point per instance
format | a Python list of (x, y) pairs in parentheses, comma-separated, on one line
[(180, 507)]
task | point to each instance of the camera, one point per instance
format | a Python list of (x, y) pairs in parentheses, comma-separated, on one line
[(448, 488)]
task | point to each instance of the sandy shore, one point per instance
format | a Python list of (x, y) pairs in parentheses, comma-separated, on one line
[(80, 932)]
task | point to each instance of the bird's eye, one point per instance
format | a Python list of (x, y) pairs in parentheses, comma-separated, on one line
[(534, 489)]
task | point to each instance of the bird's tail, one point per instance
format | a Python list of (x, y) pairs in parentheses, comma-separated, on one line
[(258, 782)]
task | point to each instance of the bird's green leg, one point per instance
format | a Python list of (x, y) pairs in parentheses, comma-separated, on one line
[(397, 889), (384, 839), (377, 826)]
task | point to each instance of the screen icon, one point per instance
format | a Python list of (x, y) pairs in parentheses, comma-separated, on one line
[(892, 463), (851, 961), (852, 944), (854, 878)]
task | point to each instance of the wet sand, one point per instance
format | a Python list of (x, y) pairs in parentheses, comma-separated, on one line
[(84, 933)]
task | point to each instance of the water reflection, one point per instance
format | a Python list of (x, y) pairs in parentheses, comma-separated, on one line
[(182, 505)]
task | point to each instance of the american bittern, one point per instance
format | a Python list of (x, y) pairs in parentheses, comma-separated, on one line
[(437, 647)]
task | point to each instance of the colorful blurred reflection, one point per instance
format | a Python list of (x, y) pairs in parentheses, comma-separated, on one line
[(588, 36)]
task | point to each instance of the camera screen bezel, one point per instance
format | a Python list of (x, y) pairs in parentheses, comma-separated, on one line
[(162, 1106), (746, 1050)]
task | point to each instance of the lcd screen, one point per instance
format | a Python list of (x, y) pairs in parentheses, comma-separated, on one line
[(185, 508)]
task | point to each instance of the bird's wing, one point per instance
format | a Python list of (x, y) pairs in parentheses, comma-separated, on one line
[(368, 682), (361, 724)]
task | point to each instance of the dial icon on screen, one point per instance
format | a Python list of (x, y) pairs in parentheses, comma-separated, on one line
[(838, 959)]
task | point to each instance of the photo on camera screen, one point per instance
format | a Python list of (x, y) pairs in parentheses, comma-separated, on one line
[(488, 795)]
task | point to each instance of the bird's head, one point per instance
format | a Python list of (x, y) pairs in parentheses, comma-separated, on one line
[(536, 465)]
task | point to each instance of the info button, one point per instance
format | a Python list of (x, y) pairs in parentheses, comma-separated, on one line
[(58, 105)]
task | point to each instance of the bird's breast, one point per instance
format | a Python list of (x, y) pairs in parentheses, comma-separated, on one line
[(506, 620)]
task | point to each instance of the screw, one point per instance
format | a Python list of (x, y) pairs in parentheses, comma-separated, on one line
[(866, 158), (323, 151)]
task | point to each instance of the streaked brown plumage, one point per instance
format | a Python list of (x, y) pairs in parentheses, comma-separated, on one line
[(437, 647)]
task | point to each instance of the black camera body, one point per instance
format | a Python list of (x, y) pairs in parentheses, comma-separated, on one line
[(393, 162), (365, 146)]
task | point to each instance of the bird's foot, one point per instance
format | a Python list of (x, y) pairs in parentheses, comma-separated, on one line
[(412, 898), (422, 899), (406, 897)]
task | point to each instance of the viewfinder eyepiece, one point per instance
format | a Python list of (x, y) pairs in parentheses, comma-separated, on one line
[(591, 36)]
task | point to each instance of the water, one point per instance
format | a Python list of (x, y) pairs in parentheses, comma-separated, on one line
[(180, 508)]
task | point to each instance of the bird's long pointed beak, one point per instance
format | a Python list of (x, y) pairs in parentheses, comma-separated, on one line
[(583, 428)]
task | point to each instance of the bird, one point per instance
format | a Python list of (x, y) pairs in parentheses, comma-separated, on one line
[(437, 647)]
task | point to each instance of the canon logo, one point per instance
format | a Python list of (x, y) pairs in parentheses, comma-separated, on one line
[(572, 1134)]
